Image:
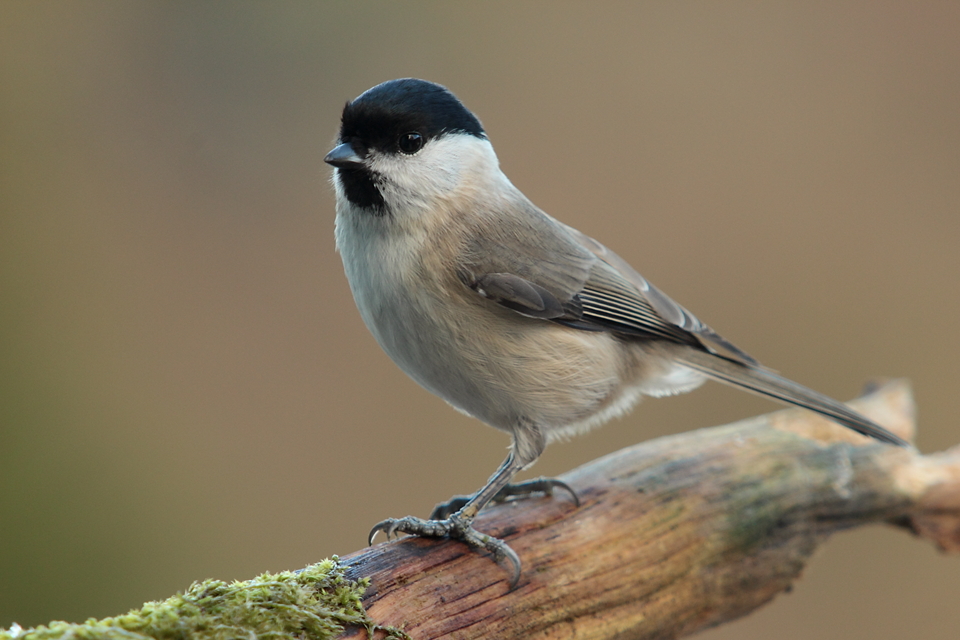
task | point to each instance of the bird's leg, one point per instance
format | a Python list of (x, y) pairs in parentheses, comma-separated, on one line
[(527, 446)]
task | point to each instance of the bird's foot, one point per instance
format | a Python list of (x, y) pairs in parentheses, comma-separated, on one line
[(544, 486), (456, 527)]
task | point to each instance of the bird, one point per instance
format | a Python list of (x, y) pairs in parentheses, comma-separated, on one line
[(504, 312)]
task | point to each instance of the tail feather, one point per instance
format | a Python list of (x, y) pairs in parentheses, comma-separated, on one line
[(768, 384)]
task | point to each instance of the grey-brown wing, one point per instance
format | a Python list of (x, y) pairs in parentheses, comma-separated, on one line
[(544, 269), (528, 264), (617, 289)]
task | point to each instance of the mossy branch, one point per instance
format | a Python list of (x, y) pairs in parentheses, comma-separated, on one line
[(673, 536)]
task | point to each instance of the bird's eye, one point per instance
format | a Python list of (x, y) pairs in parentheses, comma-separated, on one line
[(410, 142)]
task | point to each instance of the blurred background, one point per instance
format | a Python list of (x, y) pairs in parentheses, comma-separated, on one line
[(186, 388)]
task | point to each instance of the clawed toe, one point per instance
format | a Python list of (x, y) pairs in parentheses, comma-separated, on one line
[(499, 549), (446, 509), (413, 526), (544, 486), (456, 529), (386, 526)]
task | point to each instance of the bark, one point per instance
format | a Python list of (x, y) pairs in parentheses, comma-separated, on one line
[(673, 535)]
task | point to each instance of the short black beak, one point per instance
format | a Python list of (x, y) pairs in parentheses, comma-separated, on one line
[(343, 157)]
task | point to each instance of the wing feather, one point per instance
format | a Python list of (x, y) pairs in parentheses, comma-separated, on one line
[(589, 287)]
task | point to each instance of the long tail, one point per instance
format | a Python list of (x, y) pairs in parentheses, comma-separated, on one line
[(770, 385)]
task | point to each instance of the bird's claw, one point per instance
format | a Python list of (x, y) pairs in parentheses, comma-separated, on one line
[(542, 485), (448, 521), (455, 528), (414, 527)]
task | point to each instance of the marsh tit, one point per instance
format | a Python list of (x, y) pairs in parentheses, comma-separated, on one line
[(507, 314)]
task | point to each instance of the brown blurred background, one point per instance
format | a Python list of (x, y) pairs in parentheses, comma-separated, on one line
[(187, 391)]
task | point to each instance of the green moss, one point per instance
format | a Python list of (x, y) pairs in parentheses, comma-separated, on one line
[(315, 603)]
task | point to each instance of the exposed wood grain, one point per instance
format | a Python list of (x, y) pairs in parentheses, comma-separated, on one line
[(673, 535)]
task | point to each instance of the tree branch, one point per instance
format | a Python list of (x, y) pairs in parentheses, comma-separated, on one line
[(673, 535)]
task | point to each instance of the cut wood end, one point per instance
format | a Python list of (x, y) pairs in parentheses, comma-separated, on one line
[(935, 481)]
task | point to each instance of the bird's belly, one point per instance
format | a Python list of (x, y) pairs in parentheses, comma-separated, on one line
[(504, 368)]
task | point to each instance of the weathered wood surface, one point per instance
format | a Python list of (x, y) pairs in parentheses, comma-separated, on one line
[(673, 535)]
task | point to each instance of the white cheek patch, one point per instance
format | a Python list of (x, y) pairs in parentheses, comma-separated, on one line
[(435, 172)]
